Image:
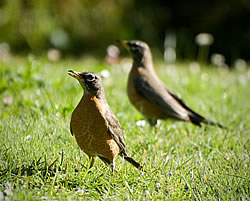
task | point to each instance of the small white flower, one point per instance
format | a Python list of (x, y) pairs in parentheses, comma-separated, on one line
[(105, 73), (113, 51), (28, 137), (218, 60), (141, 123), (8, 192), (203, 39), (54, 54), (194, 67), (204, 76), (7, 100), (240, 65), (79, 190)]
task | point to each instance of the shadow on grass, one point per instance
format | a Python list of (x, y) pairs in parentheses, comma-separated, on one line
[(46, 172), (36, 167)]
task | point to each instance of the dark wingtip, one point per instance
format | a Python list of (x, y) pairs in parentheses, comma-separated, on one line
[(214, 124), (221, 126), (133, 162), (198, 119)]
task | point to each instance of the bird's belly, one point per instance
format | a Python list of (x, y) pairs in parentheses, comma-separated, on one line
[(91, 132)]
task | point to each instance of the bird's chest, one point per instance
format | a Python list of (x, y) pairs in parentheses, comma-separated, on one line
[(147, 108), (89, 125), (135, 98), (142, 104)]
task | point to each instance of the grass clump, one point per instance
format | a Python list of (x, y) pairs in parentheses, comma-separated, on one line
[(39, 159)]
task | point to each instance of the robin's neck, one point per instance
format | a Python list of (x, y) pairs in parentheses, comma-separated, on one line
[(145, 61), (99, 95)]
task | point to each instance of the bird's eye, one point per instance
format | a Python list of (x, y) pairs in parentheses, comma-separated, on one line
[(134, 48), (90, 77)]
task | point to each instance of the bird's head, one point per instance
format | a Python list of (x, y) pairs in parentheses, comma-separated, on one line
[(90, 82), (138, 49)]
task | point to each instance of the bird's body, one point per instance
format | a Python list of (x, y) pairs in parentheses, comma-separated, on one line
[(150, 108), (94, 125), (93, 140), (149, 94)]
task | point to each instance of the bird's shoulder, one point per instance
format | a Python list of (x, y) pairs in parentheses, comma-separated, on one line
[(150, 85)]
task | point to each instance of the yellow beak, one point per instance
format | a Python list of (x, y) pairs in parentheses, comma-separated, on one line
[(74, 74), (124, 43)]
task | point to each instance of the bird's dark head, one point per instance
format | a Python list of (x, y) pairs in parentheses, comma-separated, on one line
[(135, 47), (138, 49), (90, 82)]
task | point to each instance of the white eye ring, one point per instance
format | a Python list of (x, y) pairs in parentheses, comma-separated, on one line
[(90, 77)]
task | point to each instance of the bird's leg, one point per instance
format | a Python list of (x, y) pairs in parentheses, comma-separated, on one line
[(109, 163), (92, 161), (156, 129), (112, 165), (152, 122)]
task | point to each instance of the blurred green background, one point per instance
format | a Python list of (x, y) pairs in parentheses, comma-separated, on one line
[(80, 27)]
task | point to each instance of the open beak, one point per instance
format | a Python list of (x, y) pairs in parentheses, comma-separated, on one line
[(124, 43), (74, 74)]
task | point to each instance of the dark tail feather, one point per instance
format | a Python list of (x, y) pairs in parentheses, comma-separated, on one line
[(194, 117), (133, 162), (214, 124), (198, 119)]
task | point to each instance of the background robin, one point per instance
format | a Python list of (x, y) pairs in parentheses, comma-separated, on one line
[(149, 94), (96, 128)]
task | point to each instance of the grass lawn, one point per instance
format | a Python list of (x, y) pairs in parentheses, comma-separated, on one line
[(39, 159)]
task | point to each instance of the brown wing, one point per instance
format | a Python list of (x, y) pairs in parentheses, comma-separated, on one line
[(156, 97), (117, 134), (115, 130), (170, 103)]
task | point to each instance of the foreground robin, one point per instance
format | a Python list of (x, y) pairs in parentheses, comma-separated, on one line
[(149, 94), (96, 128)]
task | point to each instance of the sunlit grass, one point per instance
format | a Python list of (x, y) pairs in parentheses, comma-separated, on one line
[(39, 159)]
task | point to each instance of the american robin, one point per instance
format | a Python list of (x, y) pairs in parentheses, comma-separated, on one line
[(148, 93), (96, 128)]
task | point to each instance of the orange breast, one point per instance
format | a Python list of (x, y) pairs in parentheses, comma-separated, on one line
[(91, 130)]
